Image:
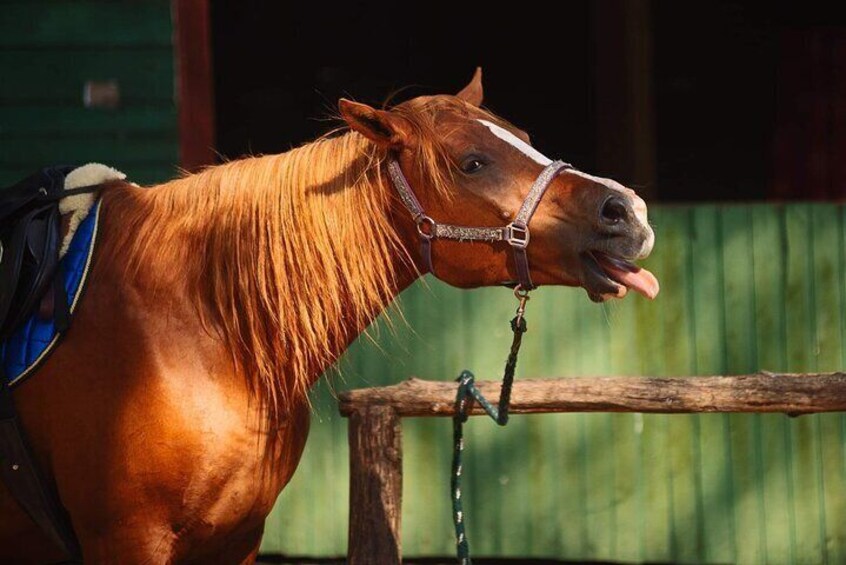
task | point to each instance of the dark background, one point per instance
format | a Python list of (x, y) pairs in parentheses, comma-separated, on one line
[(687, 101)]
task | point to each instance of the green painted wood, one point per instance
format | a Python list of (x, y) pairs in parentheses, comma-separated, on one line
[(656, 503), (801, 346), (741, 357), (110, 149), (48, 49), (68, 121), (743, 287), (769, 249), (828, 455), (570, 453), (678, 356), (714, 482), (52, 76), (59, 23), (560, 354)]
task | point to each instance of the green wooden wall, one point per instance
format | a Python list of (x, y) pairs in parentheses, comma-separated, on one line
[(49, 49), (744, 288)]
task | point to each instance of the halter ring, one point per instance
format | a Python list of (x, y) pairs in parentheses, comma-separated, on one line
[(422, 220)]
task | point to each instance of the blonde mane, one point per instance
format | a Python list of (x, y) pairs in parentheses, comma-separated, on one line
[(293, 254)]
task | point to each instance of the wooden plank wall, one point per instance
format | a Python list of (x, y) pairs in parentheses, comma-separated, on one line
[(49, 49), (745, 287)]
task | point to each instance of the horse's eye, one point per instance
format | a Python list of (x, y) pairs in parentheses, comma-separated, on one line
[(472, 165)]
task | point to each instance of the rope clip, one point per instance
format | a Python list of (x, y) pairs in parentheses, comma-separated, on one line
[(522, 296)]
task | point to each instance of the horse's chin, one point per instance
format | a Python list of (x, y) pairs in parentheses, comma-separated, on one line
[(605, 276)]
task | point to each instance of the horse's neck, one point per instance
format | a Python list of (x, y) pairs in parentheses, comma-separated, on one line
[(300, 295)]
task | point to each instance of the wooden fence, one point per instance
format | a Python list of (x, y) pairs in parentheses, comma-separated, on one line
[(744, 287), (375, 433)]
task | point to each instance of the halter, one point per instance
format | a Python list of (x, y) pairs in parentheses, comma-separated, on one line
[(516, 233)]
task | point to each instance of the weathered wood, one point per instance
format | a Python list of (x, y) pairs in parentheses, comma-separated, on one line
[(762, 392), (375, 437)]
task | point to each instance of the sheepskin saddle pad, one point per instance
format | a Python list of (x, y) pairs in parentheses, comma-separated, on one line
[(48, 232)]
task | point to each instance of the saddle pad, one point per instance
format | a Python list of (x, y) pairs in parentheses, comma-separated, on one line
[(33, 342)]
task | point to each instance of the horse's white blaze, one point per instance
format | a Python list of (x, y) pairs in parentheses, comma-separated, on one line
[(638, 205), (517, 143)]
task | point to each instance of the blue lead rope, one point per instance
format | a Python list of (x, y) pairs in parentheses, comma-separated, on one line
[(467, 394)]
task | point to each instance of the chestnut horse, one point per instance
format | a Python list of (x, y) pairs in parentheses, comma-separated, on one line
[(176, 408)]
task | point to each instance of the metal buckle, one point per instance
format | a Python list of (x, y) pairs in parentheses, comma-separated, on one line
[(421, 221), (517, 236)]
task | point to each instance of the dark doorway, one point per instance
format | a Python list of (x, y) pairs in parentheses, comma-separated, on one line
[(750, 100), (686, 102), (281, 67)]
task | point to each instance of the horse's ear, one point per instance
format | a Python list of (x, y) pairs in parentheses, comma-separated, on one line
[(382, 127), (473, 93)]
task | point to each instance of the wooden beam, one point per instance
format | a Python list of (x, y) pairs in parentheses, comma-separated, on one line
[(194, 87), (792, 394), (375, 437)]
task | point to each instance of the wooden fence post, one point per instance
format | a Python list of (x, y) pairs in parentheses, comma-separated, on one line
[(375, 438)]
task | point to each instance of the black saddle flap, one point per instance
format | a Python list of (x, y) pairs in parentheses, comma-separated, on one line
[(30, 233)]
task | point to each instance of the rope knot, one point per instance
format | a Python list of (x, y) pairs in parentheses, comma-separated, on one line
[(518, 324)]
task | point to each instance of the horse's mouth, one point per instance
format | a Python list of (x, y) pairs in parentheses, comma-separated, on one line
[(606, 276)]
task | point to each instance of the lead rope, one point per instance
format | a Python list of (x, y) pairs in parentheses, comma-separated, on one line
[(467, 393)]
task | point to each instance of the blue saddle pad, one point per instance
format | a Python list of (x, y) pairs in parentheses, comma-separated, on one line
[(33, 342)]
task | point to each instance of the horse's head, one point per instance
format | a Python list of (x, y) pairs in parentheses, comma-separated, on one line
[(470, 168)]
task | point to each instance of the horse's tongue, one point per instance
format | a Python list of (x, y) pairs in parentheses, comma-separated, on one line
[(639, 280)]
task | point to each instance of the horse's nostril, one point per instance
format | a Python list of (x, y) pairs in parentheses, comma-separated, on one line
[(614, 210)]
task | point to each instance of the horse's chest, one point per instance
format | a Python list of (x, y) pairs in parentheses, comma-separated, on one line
[(234, 487)]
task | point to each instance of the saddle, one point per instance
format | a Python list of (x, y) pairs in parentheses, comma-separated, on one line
[(30, 237), (30, 241)]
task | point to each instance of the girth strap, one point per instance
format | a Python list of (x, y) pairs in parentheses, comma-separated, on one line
[(516, 233), (22, 477)]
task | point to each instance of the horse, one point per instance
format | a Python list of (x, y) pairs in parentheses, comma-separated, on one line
[(175, 410)]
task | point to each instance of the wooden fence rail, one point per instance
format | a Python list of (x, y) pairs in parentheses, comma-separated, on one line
[(375, 434)]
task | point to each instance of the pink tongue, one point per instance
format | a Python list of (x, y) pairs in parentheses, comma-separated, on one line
[(641, 281)]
